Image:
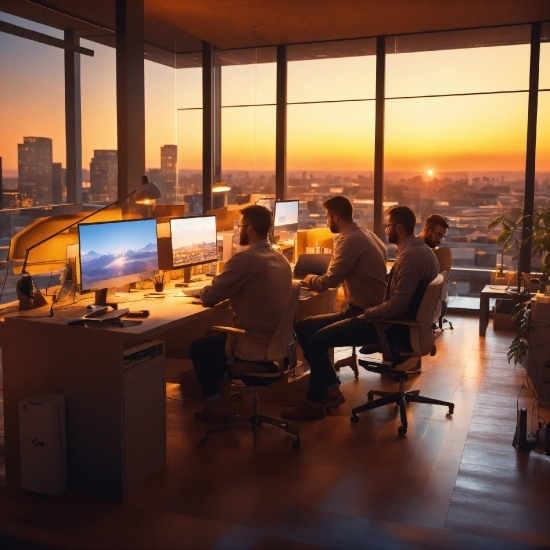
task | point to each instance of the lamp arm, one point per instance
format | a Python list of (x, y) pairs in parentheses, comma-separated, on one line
[(117, 202)]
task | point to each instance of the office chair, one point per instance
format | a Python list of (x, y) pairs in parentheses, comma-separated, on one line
[(282, 351), (400, 364), (445, 258)]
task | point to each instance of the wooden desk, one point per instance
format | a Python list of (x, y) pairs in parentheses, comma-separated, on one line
[(86, 365)]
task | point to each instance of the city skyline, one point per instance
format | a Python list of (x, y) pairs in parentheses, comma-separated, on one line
[(479, 132)]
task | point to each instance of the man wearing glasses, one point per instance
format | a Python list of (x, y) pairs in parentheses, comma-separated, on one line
[(257, 282), (414, 268), (435, 230)]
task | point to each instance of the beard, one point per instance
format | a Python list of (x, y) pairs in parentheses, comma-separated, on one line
[(243, 239), (393, 237), (333, 227)]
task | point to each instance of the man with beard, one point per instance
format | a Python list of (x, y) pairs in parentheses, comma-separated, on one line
[(257, 282), (359, 261), (414, 268), (435, 230)]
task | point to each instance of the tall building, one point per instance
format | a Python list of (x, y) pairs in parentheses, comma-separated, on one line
[(169, 172), (35, 170), (58, 183), (103, 175)]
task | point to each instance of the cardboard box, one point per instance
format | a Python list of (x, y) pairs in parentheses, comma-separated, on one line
[(502, 318)]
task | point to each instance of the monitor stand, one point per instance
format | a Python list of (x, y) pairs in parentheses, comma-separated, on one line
[(187, 275), (106, 297)]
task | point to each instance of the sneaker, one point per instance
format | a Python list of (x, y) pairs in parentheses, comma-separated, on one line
[(304, 411), (332, 400), (216, 411)]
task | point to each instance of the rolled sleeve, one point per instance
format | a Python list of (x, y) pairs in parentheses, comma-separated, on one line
[(340, 266)]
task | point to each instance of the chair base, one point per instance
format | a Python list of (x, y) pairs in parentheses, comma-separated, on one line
[(350, 361), (400, 398), (255, 420)]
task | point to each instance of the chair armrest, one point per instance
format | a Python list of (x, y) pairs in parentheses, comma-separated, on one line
[(229, 330)]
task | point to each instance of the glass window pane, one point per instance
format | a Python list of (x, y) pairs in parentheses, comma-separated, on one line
[(318, 73), (249, 77), (32, 111), (459, 157), (248, 150), (99, 129), (189, 186), (542, 176), (330, 151), (458, 71), (189, 87), (544, 71), (161, 128)]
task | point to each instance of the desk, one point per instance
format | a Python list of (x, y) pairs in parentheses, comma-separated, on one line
[(488, 292), (44, 354)]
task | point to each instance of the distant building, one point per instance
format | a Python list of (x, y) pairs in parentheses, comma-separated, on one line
[(35, 170), (103, 175), (169, 173), (58, 182)]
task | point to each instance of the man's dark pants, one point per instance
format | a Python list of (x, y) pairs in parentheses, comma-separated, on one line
[(210, 363), (313, 335)]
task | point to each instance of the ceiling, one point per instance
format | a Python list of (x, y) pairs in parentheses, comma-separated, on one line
[(178, 26)]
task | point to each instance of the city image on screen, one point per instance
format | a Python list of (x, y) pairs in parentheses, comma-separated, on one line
[(117, 253), (193, 241), (285, 217)]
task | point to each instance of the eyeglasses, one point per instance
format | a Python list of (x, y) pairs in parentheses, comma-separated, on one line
[(243, 225), (440, 236), (386, 225)]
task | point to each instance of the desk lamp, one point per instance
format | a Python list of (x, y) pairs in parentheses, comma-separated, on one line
[(28, 294)]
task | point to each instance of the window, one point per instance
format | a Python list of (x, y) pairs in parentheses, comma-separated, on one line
[(330, 125)]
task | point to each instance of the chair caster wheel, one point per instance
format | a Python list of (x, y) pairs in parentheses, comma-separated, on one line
[(401, 430), (354, 419), (202, 442), (296, 444)]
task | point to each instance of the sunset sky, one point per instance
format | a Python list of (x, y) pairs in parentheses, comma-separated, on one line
[(471, 133)]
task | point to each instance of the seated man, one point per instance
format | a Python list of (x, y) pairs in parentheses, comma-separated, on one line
[(257, 282), (414, 268), (359, 261), (435, 230)]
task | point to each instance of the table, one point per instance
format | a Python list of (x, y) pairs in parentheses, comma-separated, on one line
[(43, 354), (488, 292)]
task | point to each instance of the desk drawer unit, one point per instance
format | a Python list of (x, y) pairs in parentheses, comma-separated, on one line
[(144, 398)]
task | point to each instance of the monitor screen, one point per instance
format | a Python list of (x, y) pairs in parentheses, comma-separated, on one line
[(285, 217), (117, 253), (193, 241)]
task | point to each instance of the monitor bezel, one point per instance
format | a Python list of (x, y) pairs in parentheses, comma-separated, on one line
[(193, 264), (117, 281), (274, 229)]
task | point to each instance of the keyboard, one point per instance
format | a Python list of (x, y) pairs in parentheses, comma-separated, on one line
[(193, 292)]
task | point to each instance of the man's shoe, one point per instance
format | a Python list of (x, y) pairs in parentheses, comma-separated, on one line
[(216, 411), (332, 400), (304, 411)]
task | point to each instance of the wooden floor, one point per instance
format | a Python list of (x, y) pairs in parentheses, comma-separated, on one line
[(450, 483)]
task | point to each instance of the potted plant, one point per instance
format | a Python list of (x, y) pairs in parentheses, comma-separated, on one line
[(511, 222)]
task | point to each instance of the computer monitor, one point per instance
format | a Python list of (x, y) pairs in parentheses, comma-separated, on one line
[(194, 242), (117, 253), (285, 217)]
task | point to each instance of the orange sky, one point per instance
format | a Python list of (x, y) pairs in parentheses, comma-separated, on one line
[(445, 134)]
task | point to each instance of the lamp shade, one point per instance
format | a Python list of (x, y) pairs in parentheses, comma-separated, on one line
[(148, 193), (220, 187)]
